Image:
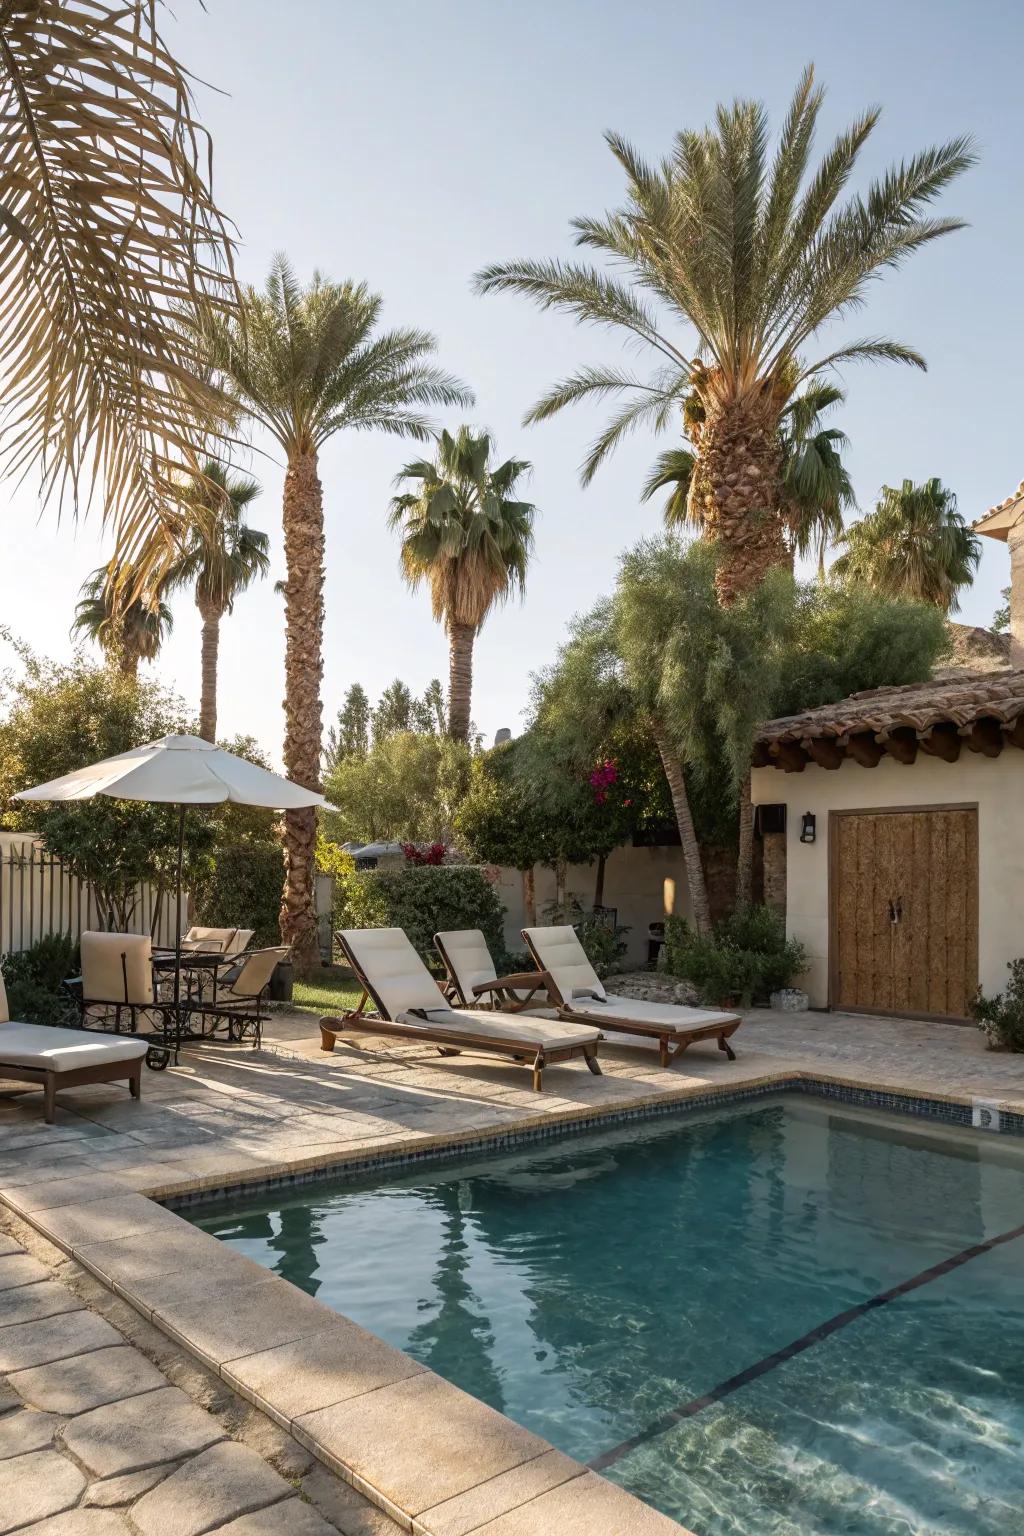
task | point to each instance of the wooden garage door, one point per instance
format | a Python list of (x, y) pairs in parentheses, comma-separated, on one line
[(904, 921)]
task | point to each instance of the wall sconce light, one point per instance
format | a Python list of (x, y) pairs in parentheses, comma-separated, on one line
[(808, 827)]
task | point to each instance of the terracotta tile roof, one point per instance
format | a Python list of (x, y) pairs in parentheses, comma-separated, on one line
[(997, 521), (975, 707)]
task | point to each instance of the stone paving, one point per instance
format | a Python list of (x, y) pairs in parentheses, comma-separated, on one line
[(299, 1371), (107, 1430)]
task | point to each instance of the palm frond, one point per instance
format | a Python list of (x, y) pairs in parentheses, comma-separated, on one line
[(108, 230), (586, 382), (583, 292), (673, 470), (727, 260)]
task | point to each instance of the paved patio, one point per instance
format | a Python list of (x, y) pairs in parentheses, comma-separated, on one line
[(229, 1114), (107, 1428)]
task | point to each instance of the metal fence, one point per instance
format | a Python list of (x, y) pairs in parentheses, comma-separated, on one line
[(39, 897)]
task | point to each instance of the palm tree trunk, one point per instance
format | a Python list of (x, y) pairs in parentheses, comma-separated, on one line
[(211, 615), (745, 852), (127, 661), (460, 680), (695, 882), (736, 494), (303, 707)]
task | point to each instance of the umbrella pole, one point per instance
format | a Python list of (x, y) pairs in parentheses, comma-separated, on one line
[(177, 934)]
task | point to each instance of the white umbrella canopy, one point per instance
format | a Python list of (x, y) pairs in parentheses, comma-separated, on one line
[(179, 770)]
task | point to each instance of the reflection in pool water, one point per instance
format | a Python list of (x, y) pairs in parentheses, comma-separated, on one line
[(590, 1287)]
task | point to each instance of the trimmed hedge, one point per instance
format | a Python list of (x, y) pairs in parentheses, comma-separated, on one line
[(424, 900), (244, 891)]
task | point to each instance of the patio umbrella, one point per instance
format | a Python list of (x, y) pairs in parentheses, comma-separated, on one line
[(181, 771)]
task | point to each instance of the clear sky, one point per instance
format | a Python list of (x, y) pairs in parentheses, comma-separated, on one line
[(409, 142)]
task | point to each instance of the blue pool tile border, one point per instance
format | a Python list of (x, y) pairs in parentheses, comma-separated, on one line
[(942, 1111)]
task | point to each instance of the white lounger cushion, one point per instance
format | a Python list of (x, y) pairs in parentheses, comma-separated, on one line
[(470, 959), (637, 1010), (398, 978), (561, 954), (62, 1050), (514, 1028)]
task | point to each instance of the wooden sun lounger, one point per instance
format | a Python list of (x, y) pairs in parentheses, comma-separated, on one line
[(411, 1006), (575, 987), (521, 992)]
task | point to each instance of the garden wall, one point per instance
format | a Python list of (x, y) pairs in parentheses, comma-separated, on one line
[(643, 884)]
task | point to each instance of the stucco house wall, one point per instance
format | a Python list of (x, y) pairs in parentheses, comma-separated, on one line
[(994, 785)]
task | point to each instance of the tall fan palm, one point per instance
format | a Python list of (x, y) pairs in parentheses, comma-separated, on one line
[(915, 544), (816, 485), (107, 229), (465, 534), (220, 558), (127, 619), (306, 363), (752, 256)]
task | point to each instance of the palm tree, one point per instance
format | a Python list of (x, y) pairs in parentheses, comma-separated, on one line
[(127, 619), (915, 544), (752, 257), (816, 486), (465, 534), (306, 363), (108, 229), (220, 557)]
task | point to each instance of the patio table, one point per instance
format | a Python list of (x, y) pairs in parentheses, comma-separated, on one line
[(200, 966)]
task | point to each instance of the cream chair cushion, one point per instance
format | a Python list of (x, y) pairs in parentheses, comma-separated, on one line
[(117, 968), (513, 1028), (637, 1010), (212, 941), (469, 958), (250, 976), (396, 974), (560, 953), (62, 1050)]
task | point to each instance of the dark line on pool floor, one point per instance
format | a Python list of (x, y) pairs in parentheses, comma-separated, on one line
[(797, 1347)]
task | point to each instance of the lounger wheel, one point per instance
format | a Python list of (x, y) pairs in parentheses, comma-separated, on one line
[(158, 1058)]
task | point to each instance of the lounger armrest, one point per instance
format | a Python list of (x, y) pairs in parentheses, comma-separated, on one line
[(518, 981)]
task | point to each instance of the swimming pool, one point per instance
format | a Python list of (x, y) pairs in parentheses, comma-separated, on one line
[(783, 1319)]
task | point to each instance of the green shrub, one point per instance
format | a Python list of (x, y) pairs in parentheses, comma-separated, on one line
[(33, 977), (1002, 1016), (746, 958), (422, 899), (244, 891)]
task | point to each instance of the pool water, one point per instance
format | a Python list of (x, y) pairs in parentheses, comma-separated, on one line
[(598, 1290)]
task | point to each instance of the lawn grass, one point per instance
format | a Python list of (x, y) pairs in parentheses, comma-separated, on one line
[(326, 992)]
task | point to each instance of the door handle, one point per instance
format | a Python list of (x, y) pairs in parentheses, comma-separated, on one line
[(896, 910)]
